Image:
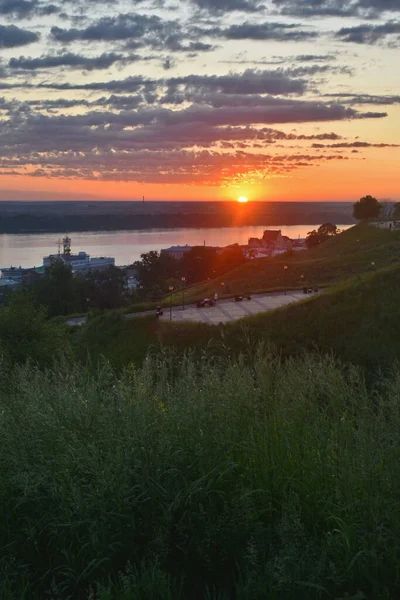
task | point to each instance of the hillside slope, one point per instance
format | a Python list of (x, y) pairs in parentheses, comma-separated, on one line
[(349, 254), (358, 320)]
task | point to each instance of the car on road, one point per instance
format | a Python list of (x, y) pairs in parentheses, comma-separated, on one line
[(205, 302), (241, 298)]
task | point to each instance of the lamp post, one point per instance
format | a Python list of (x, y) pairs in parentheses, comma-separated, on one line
[(183, 279), (286, 270), (171, 289)]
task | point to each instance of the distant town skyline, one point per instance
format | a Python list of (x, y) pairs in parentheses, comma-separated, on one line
[(199, 99)]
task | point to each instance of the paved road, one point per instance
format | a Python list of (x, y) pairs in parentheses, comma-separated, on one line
[(226, 310)]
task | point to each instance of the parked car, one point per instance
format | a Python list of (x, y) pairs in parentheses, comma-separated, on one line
[(159, 311), (241, 298), (205, 302)]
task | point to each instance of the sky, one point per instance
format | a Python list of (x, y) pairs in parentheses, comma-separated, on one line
[(199, 99)]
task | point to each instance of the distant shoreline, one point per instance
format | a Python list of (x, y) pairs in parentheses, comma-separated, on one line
[(54, 217)]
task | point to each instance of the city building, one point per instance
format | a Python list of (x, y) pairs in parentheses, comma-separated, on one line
[(176, 252), (77, 262), (272, 241)]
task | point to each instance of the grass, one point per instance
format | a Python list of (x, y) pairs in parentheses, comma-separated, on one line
[(119, 340), (245, 478)]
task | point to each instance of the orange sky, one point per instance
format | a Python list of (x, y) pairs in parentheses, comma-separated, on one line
[(200, 100)]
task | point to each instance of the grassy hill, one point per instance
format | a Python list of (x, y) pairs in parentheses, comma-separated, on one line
[(359, 320), (349, 254)]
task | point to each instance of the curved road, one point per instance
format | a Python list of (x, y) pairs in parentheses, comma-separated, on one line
[(225, 310)]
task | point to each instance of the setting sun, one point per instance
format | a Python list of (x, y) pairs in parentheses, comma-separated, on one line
[(243, 199)]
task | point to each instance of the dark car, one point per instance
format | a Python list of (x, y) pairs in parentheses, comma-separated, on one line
[(205, 302), (159, 311), (241, 298)]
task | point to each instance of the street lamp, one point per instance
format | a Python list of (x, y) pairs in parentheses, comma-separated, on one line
[(286, 270), (183, 279), (171, 289)]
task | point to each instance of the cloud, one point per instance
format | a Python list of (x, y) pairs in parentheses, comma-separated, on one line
[(249, 82), (74, 61), (26, 8), (355, 145), (12, 36), (336, 8), (353, 99), (369, 34), (265, 31), (221, 6), (135, 30)]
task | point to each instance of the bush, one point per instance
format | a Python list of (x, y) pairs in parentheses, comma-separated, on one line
[(25, 333)]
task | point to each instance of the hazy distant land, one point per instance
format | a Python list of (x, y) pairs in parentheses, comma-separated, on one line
[(37, 217)]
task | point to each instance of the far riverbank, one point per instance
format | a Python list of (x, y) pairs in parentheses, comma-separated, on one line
[(55, 217)]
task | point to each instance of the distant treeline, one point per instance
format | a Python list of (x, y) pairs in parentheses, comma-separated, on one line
[(253, 215)]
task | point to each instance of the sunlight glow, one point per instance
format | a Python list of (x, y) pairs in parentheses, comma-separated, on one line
[(243, 199)]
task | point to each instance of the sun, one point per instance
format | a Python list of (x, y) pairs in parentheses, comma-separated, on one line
[(243, 199)]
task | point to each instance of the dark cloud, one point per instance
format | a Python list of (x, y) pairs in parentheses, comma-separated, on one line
[(265, 31), (26, 8), (221, 6), (135, 30), (12, 36), (119, 27), (370, 34), (336, 8), (315, 58), (247, 83), (355, 145), (74, 61), (353, 99)]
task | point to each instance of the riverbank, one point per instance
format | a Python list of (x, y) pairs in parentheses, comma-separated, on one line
[(54, 217)]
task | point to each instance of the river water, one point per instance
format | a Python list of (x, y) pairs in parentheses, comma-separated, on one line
[(28, 250)]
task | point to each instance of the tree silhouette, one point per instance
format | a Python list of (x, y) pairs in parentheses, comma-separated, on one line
[(367, 207)]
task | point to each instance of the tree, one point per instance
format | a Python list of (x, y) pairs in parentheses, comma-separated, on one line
[(108, 289), (55, 290), (25, 333), (325, 231), (396, 212), (367, 207), (328, 230), (154, 269)]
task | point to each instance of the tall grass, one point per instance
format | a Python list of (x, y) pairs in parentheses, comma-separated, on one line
[(246, 478)]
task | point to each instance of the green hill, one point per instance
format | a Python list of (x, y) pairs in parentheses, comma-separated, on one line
[(359, 320), (350, 253)]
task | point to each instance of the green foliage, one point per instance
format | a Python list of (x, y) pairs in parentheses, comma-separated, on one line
[(55, 290), (25, 333), (367, 207), (63, 293), (156, 272), (244, 478), (120, 340), (316, 237)]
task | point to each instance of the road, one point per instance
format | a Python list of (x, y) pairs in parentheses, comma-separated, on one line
[(225, 311)]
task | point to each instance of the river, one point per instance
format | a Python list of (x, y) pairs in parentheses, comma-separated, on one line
[(28, 250)]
